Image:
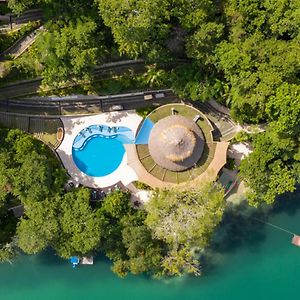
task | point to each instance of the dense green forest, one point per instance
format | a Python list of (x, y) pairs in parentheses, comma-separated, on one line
[(243, 53)]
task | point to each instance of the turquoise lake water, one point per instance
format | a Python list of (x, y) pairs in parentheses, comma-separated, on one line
[(253, 261)]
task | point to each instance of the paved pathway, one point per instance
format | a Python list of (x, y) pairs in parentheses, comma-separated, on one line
[(21, 45)]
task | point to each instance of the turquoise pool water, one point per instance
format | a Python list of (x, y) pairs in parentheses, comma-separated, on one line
[(99, 156), (144, 132), (98, 149), (253, 262)]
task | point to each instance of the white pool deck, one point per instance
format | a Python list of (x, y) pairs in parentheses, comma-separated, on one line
[(73, 125)]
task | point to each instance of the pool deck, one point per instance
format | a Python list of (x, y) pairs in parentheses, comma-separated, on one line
[(72, 127)]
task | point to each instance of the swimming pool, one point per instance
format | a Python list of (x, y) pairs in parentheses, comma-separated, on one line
[(98, 150)]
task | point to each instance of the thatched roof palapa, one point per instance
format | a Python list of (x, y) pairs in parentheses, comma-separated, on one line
[(176, 143)]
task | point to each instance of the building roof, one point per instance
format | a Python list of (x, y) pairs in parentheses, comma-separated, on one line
[(176, 143)]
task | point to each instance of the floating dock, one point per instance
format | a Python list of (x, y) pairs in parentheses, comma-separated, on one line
[(87, 260), (296, 240)]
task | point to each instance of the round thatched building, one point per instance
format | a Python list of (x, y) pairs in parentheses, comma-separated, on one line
[(176, 143)]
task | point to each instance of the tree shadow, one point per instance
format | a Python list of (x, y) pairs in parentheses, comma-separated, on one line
[(288, 203), (50, 258), (239, 228)]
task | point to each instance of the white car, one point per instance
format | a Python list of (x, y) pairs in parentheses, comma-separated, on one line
[(116, 107)]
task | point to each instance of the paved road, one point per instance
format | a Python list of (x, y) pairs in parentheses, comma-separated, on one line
[(105, 71), (21, 45), (83, 104), (29, 15)]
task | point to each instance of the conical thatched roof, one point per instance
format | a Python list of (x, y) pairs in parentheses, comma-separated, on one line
[(176, 143)]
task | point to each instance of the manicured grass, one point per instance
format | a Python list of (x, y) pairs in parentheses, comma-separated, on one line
[(164, 111), (170, 177), (142, 151), (148, 163), (158, 172), (184, 176)]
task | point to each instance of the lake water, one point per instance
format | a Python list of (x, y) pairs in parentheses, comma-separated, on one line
[(253, 261)]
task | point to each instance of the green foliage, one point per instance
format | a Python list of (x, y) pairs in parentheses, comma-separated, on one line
[(144, 111), (184, 221), (125, 239), (200, 45), (137, 26), (283, 110), (69, 51), (259, 54), (30, 174), (271, 169), (185, 217), (179, 262), (79, 225), (155, 77), (230, 164), (19, 6), (142, 186), (7, 253), (191, 82), (38, 227), (30, 171), (8, 39), (67, 223)]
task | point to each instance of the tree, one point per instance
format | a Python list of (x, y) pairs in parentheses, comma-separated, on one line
[(180, 261), (70, 50), (184, 221), (5, 176), (283, 110), (255, 67), (185, 217), (79, 225), (67, 223), (39, 227), (271, 169), (18, 6), (138, 26), (144, 253), (126, 240), (155, 77)]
